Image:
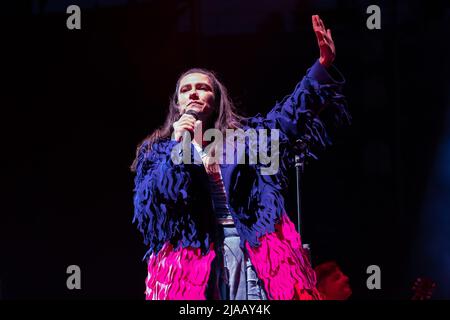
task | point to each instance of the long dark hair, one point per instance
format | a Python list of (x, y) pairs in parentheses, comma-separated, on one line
[(223, 117)]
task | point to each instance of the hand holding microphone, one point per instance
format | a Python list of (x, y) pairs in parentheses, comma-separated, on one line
[(186, 125)]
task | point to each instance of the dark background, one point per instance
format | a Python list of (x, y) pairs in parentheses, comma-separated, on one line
[(75, 103)]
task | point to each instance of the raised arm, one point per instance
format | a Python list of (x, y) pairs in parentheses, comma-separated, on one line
[(316, 104)]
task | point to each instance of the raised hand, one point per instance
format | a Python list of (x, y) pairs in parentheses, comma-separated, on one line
[(325, 41)]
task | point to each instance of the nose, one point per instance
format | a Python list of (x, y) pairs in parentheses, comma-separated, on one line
[(193, 95)]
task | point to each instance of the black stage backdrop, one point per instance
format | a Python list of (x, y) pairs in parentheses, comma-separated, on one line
[(75, 103)]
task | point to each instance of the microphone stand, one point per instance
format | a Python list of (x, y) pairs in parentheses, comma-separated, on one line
[(301, 155)]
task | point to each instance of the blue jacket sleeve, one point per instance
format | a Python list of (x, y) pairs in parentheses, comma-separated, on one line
[(161, 195), (171, 200), (316, 106)]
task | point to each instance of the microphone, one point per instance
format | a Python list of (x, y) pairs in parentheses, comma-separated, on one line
[(187, 134), (192, 113)]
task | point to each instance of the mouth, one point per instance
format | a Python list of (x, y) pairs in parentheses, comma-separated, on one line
[(194, 103)]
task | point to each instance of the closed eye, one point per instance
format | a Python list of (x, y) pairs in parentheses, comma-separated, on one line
[(204, 87), (185, 88)]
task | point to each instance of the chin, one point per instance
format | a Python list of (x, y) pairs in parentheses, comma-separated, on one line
[(199, 111)]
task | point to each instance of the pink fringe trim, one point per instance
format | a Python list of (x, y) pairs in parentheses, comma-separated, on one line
[(178, 275), (283, 265), (280, 262)]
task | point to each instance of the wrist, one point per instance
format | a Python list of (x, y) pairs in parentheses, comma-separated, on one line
[(324, 62)]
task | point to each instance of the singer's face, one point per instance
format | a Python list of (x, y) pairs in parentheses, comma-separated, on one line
[(196, 93)]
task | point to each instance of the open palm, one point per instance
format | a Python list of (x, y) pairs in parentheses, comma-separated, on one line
[(325, 41)]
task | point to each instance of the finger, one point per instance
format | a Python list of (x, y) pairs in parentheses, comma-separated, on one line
[(330, 38), (186, 128), (322, 24), (315, 22), (322, 34), (183, 127), (187, 116), (181, 132), (319, 24), (197, 123), (321, 38), (181, 124), (327, 36), (198, 130)]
